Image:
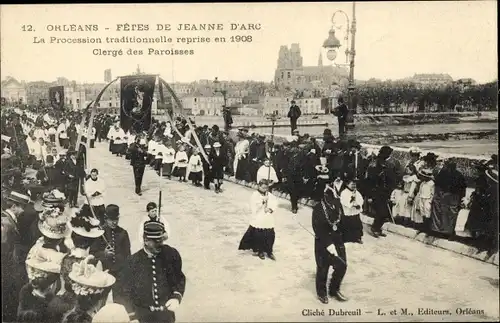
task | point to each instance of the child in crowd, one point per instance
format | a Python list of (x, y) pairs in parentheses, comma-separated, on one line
[(352, 205), (398, 202), (195, 168), (421, 212), (152, 146), (160, 149), (168, 159), (181, 163)]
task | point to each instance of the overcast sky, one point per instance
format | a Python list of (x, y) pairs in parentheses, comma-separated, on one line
[(393, 40)]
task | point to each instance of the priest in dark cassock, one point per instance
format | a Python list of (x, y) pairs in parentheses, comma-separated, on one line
[(381, 180)]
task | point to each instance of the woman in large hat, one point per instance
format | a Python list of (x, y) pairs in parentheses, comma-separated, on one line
[(85, 230), (403, 205), (53, 228), (44, 267), (91, 286), (450, 187)]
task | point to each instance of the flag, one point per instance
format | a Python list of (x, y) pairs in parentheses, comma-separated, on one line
[(56, 97), (136, 100)]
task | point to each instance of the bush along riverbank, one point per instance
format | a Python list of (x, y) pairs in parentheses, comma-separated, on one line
[(388, 138)]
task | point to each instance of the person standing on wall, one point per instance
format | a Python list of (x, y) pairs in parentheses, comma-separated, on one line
[(228, 118), (341, 112), (294, 114)]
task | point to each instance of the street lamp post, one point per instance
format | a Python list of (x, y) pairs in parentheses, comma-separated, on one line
[(331, 44)]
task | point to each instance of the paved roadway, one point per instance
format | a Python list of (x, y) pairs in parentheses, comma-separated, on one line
[(224, 284)]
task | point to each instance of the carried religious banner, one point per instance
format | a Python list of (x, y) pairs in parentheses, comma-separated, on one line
[(136, 101), (56, 97)]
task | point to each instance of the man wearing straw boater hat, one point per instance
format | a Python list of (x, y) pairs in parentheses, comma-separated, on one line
[(13, 255), (155, 281)]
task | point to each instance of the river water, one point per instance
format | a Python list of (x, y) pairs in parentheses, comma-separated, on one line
[(467, 147)]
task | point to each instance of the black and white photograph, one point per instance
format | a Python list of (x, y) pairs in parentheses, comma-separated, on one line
[(249, 162)]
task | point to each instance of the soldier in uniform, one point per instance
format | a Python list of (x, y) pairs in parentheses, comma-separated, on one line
[(329, 248), (154, 279), (138, 160)]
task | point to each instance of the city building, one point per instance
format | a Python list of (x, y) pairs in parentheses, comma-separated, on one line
[(310, 105), (182, 89), (252, 109), (290, 72), (203, 103), (271, 104), (426, 80), (14, 91)]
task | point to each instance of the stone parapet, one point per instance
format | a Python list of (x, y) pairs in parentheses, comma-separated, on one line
[(465, 163)]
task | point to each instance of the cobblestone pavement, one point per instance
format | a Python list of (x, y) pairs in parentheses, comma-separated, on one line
[(224, 284)]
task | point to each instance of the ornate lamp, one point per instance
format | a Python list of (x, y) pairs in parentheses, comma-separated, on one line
[(331, 45)]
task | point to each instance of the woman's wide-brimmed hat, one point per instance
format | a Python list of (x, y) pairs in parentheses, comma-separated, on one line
[(385, 152), (85, 225), (44, 262), (430, 157), (492, 174), (55, 198), (53, 222), (87, 279), (426, 172)]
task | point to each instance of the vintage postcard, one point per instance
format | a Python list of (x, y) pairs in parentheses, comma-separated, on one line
[(250, 162)]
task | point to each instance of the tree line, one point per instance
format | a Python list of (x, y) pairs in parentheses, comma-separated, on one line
[(387, 95)]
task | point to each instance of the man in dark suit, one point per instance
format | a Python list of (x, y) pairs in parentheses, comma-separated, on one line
[(228, 119), (138, 160), (13, 254), (49, 176), (341, 112), (329, 248), (294, 114), (116, 251), (154, 283)]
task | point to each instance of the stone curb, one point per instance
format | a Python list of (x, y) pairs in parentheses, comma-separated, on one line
[(413, 234)]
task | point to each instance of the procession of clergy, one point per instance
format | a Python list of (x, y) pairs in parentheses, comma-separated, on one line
[(65, 265)]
